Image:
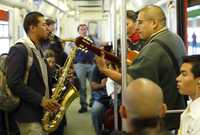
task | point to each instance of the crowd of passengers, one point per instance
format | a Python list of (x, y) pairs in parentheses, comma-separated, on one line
[(158, 79)]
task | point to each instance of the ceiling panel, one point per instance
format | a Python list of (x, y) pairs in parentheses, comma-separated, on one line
[(88, 5)]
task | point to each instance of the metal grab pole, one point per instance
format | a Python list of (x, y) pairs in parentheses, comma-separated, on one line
[(175, 111), (123, 51), (114, 40)]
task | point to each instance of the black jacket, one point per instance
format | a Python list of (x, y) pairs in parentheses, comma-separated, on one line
[(30, 94)]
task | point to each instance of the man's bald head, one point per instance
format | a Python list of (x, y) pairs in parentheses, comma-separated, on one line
[(143, 99), (154, 12)]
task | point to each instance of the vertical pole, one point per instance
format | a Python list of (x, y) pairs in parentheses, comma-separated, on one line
[(182, 20), (123, 51), (114, 41)]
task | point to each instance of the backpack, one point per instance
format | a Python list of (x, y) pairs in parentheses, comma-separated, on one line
[(8, 101)]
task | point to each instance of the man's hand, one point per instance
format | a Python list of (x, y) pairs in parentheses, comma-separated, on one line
[(103, 82), (50, 105)]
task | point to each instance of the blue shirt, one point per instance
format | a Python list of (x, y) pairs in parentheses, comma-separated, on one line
[(84, 57)]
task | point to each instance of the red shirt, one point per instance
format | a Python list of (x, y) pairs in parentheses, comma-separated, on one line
[(134, 37)]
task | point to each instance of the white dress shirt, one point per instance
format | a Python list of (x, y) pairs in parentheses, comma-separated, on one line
[(190, 119), (111, 86)]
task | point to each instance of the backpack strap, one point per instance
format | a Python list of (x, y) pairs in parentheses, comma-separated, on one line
[(29, 62), (3, 64), (170, 54)]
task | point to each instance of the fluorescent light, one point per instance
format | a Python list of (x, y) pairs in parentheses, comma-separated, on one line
[(58, 4), (62, 6), (161, 2), (54, 2), (135, 5), (71, 13), (118, 3)]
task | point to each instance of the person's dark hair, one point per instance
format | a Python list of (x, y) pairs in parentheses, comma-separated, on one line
[(49, 53), (31, 19), (108, 48), (80, 26), (131, 15), (139, 123), (50, 21), (195, 61)]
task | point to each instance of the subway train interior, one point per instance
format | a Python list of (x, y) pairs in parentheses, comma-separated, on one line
[(106, 24)]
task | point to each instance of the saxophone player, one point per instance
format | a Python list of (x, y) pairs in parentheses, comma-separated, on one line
[(34, 95)]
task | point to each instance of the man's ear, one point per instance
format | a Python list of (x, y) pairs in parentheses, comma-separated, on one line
[(198, 81), (163, 110), (155, 24), (123, 111), (31, 28)]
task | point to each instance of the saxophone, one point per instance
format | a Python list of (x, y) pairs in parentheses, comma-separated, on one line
[(64, 93)]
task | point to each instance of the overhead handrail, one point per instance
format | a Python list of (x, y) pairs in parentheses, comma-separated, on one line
[(175, 111)]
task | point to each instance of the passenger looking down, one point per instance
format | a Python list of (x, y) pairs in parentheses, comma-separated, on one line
[(53, 68), (99, 96)]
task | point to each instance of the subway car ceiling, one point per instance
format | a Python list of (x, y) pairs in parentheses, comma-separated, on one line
[(67, 6), (69, 13), (71, 7)]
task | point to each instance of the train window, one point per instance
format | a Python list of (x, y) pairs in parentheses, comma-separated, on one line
[(4, 37), (193, 29)]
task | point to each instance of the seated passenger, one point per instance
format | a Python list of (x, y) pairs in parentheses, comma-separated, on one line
[(98, 87), (188, 83), (143, 106), (111, 85)]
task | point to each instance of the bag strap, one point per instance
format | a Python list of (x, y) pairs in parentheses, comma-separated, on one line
[(170, 53), (2, 67), (29, 61)]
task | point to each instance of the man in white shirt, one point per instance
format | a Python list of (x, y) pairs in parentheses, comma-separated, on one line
[(188, 83), (111, 86)]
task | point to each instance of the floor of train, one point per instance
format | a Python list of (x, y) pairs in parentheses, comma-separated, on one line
[(78, 124)]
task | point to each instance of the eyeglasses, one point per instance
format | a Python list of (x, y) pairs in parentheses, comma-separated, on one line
[(138, 22), (141, 21)]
